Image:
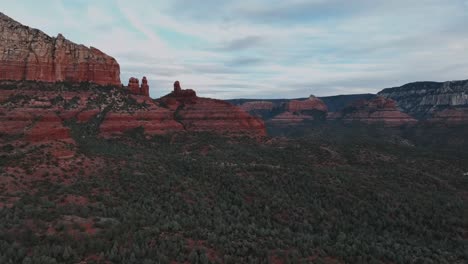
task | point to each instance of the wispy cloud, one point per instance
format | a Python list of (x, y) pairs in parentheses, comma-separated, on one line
[(266, 48)]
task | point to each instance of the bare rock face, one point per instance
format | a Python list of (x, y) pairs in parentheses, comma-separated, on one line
[(287, 112), (32, 123), (300, 111), (185, 95), (379, 110), (155, 120), (30, 54), (144, 89), (134, 85), (210, 115), (288, 118), (38, 115), (450, 116), (135, 88), (424, 100), (38, 112), (313, 103), (257, 106)]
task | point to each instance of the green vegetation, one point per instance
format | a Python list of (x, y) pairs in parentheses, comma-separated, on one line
[(359, 195)]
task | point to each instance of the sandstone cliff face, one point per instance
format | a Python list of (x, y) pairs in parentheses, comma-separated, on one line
[(198, 114), (424, 100), (313, 103), (135, 88), (287, 112), (379, 110), (450, 116), (38, 112), (257, 106), (30, 54)]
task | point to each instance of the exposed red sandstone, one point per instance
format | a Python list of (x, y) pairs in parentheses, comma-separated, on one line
[(135, 88), (134, 85), (39, 115), (299, 111), (257, 105), (144, 90), (312, 103), (30, 54), (220, 117), (287, 112), (288, 118), (451, 116), (204, 114), (183, 95), (153, 119), (378, 110), (33, 124)]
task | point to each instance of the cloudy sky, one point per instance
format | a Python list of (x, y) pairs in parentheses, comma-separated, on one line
[(265, 48)]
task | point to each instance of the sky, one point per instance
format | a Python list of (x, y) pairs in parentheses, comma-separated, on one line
[(265, 48)]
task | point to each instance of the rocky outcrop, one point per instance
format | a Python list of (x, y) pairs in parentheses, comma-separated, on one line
[(379, 110), (198, 114), (133, 85), (154, 119), (218, 116), (144, 89), (337, 103), (30, 54), (451, 116), (311, 104), (135, 88), (33, 124), (425, 100), (288, 118), (38, 115), (286, 112), (38, 112), (257, 106), (183, 95)]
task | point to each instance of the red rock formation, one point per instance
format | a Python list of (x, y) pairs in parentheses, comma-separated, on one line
[(30, 54), (287, 112), (450, 116), (177, 88), (218, 116), (183, 95), (377, 110), (135, 88), (257, 105), (144, 87), (134, 85), (313, 103), (48, 127), (39, 115), (153, 119), (211, 115), (299, 111), (288, 118), (33, 124)]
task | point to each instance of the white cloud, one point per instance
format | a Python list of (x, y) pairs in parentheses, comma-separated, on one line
[(268, 48)]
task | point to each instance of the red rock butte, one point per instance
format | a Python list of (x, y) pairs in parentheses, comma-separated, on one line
[(377, 110), (30, 54)]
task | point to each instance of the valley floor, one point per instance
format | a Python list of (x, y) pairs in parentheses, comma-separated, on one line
[(358, 196)]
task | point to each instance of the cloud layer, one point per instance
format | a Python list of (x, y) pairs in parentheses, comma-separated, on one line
[(266, 48)]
